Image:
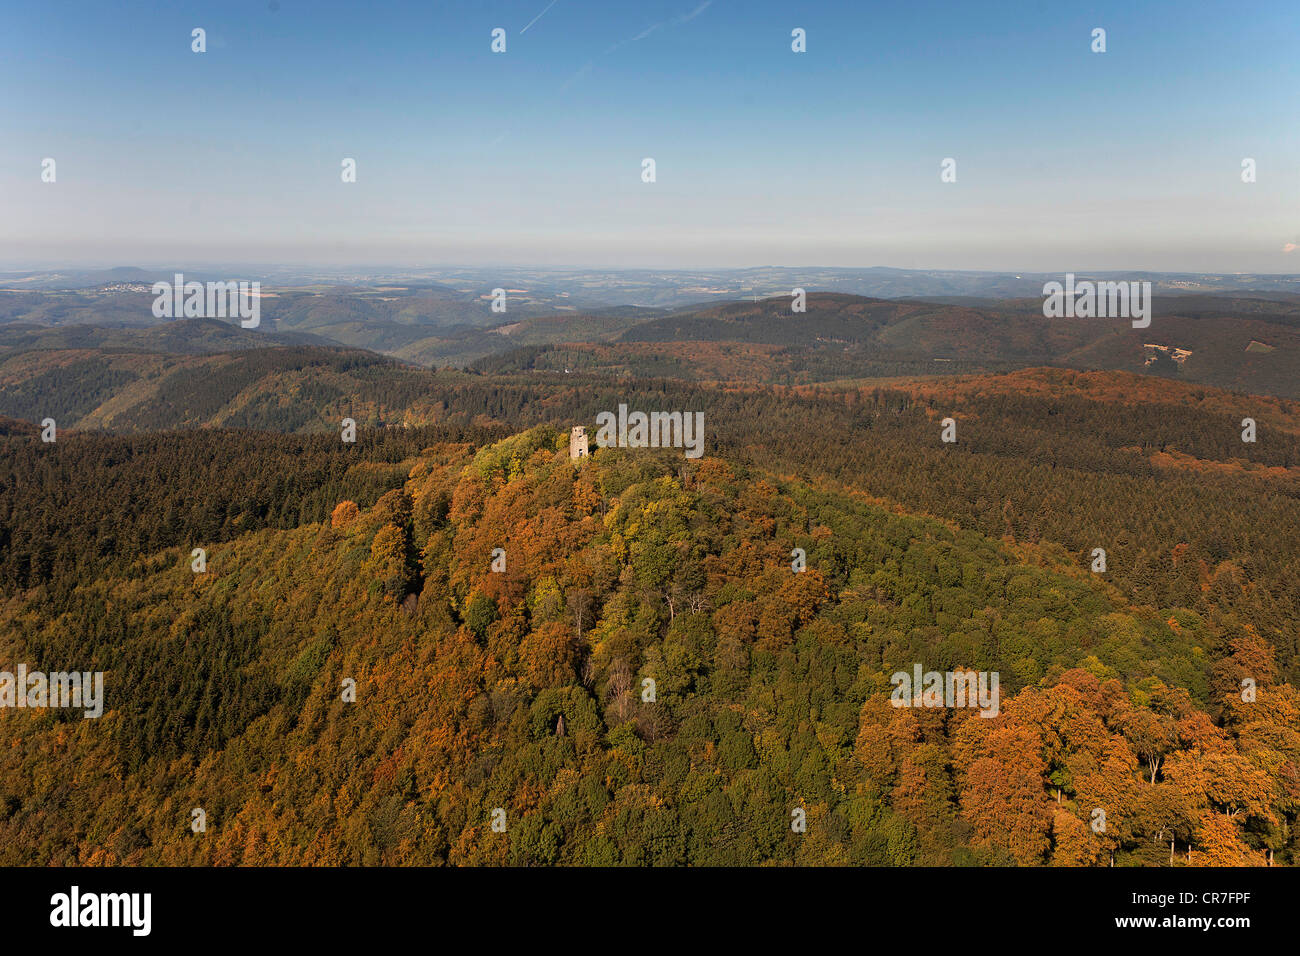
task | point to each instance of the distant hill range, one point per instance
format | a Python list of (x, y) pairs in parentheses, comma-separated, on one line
[(1244, 341), (582, 289), (1195, 338), (184, 336)]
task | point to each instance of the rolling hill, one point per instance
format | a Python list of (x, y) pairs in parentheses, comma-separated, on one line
[(856, 336), (1246, 342), (648, 681)]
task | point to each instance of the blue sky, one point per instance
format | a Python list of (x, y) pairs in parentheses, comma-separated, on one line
[(1066, 159)]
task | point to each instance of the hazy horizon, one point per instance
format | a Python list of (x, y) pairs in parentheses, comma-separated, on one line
[(1066, 159), (381, 268)]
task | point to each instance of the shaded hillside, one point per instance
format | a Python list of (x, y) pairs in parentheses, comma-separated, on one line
[(66, 518), (525, 691), (869, 337), (728, 361), (179, 337), (461, 346), (283, 389), (425, 324), (580, 327), (382, 318)]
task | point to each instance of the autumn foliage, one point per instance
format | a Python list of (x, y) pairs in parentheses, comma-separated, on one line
[(642, 678)]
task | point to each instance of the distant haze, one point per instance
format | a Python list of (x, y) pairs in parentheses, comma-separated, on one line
[(1066, 159)]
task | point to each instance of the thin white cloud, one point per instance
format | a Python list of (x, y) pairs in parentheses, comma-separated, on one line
[(582, 71), (687, 18), (538, 17), (655, 27)]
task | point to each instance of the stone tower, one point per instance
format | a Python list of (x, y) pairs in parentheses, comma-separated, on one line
[(578, 443)]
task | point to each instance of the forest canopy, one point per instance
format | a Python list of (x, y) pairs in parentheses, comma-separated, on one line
[(620, 655)]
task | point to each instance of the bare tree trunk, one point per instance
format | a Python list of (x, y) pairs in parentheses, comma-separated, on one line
[(620, 688)]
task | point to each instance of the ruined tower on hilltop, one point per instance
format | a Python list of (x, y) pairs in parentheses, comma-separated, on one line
[(578, 442)]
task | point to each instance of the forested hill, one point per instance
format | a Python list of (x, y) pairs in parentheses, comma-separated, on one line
[(1153, 472), (1241, 342), (1251, 344), (524, 689)]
